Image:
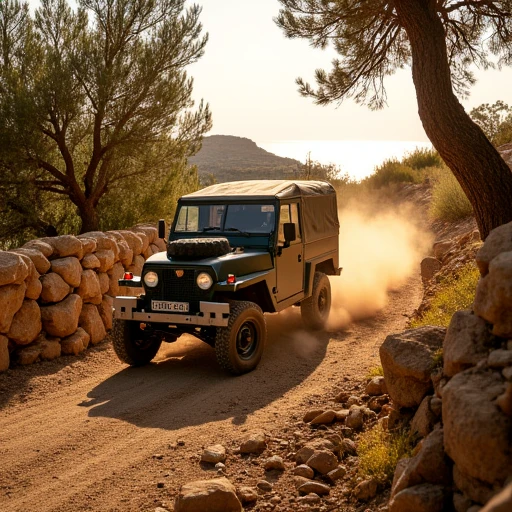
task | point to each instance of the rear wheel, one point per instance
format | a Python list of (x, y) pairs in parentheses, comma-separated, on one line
[(132, 345), (239, 346), (315, 309)]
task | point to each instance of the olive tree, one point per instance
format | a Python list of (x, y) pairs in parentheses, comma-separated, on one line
[(96, 98), (440, 40)]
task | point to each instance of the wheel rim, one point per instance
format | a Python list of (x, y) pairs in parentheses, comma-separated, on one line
[(246, 340), (323, 302)]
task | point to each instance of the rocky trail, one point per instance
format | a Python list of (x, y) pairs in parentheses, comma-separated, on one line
[(88, 433)]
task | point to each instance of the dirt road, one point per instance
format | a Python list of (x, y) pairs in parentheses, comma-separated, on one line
[(89, 433)]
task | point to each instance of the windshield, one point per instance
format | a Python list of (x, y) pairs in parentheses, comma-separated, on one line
[(243, 218)]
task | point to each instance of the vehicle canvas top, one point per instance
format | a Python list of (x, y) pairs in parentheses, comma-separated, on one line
[(318, 200)]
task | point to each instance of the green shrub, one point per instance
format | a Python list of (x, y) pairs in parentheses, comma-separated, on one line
[(454, 293), (449, 202), (392, 171), (379, 452), (376, 371), (421, 158)]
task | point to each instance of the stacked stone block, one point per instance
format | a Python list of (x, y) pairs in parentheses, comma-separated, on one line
[(56, 294)]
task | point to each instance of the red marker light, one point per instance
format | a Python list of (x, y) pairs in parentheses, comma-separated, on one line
[(231, 279), (128, 275)]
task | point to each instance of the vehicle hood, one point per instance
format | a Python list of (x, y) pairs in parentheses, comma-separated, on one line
[(237, 263)]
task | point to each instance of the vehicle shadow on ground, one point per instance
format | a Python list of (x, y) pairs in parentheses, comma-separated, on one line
[(186, 387)]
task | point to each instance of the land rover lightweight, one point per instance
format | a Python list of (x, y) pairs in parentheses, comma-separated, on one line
[(234, 252)]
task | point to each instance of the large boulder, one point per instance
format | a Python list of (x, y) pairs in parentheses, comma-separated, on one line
[(429, 267), (89, 288), (39, 260), (104, 282), (216, 495), (105, 309), (114, 274), (499, 240), (136, 266), (75, 343), (407, 361), (62, 319), (502, 502), (420, 498), (88, 244), (476, 432), (468, 340), (429, 465), (41, 246), (90, 261), (90, 321), (106, 258), (69, 269), (11, 299), (133, 240), (493, 299), (65, 245), (13, 270), (26, 324), (54, 288), (4, 353)]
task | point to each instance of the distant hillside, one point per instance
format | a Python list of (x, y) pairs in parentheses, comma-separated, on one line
[(231, 158)]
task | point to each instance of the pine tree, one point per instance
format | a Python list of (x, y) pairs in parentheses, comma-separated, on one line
[(98, 95), (440, 40)]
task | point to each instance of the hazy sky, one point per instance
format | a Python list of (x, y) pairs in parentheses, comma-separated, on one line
[(248, 72), (248, 76)]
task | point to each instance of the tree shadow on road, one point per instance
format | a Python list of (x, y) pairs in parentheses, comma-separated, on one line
[(184, 386)]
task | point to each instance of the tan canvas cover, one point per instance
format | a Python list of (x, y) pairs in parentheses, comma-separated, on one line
[(318, 200)]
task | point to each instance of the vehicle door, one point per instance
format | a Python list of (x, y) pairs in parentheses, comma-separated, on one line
[(289, 260)]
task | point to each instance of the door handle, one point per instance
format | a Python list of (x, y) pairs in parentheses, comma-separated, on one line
[(299, 258)]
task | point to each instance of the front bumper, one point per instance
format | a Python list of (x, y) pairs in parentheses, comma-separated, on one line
[(210, 313)]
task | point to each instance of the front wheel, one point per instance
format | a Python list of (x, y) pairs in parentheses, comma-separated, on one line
[(132, 345), (315, 309), (239, 346)]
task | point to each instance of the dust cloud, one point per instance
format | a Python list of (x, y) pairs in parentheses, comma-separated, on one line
[(381, 245)]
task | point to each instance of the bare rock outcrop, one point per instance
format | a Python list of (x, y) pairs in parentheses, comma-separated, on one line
[(407, 361)]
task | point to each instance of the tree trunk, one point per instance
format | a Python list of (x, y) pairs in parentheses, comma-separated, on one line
[(89, 216), (482, 173)]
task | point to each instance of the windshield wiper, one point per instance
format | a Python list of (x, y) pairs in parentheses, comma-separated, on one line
[(238, 231), (210, 228)]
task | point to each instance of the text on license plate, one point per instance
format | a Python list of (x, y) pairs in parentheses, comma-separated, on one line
[(164, 305)]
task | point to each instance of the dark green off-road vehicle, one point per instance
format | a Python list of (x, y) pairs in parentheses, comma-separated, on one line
[(235, 251)]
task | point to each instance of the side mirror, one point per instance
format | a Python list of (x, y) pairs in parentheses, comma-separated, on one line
[(289, 233), (161, 229)]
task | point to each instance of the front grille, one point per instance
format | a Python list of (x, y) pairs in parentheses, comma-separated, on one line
[(178, 289)]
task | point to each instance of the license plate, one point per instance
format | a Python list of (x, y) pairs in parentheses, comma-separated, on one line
[(164, 305)]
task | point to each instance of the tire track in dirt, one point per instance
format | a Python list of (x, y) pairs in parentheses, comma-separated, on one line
[(89, 442)]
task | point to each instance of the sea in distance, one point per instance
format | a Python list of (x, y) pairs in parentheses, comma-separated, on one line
[(357, 158)]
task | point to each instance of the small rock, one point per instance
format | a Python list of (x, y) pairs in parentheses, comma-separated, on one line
[(341, 415), (247, 495), (310, 499), (348, 447), (334, 475), (274, 462), (300, 480), (214, 454), (355, 418), (216, 495), (305, 471), (316, 487), (322, 461), (420, 498), (507, 373), (342, 397), (376, 387), (500, 358), (324, 418), (256, 442), (264, 486), (366, 490), (313, 413), (220, 467), (353, 400)]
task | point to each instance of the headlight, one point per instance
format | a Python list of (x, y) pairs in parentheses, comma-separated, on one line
[(151, 279), (204, 281)]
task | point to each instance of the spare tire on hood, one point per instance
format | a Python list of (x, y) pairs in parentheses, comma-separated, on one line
[(196, 248)]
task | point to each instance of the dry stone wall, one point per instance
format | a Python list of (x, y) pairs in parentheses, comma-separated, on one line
[(56, 294), (464, 460)]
